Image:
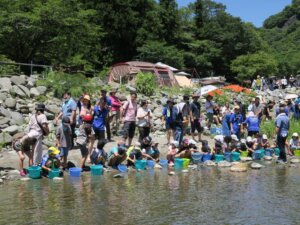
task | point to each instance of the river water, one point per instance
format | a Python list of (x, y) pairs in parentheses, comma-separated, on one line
[(205, 196)]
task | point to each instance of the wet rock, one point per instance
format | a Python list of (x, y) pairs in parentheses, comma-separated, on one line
[(241, 167), (58, 178), (157, 166), (256, 166), (25, 179), (118, 175), (209, 163), (295, 160), (268, 158), (5, 83), (185, 171), (224, 164), (245, 159), (171, 173), (193, 167)]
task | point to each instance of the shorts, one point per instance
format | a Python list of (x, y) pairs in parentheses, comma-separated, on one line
[(64, 151), (99, 134), (129, 129), (84, 151), (169, 126), (195, 125)]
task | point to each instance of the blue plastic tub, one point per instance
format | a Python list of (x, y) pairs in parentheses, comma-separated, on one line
[(206, 157), (276, 150), (75, 172), (262, 152), (257, 155), (235, 156), (163, 162), (140, 164), (96, 170), (54, 173), (228, 156), (122, 168), (34, 172), (150, 163), (178, 163), (219, 158), (269, 152), (197, 157)]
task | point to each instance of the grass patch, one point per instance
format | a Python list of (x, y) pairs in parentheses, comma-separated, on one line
[(268, 128)]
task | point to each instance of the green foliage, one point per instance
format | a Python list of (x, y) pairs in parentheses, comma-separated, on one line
[(248, 66), (60, 82), (7, 69), (145, 83), (41, 98)]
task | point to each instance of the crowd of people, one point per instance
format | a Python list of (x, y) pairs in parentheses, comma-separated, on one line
[(262, 83), (91, 123)]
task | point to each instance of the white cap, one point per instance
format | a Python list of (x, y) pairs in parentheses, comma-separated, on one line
[(249, 139), (193, 142), (219, 138), (176, 143), (243, 141), (295, 134), (234, 137), (264, 137)]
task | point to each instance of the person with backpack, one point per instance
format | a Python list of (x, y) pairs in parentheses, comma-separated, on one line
[(195, 110), (99, 121), (179, 118), (129, 112)]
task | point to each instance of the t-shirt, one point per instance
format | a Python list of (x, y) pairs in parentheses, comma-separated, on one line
[(113, 151), (144, 122), (236, 120), (282, 122), (64, 134), (130, 109), (68, 107), (96, 154), (99, 118), (252, 123), (33, 124), (294, 142), (167, 113), (195, 109), (209, 106), (257, 108)]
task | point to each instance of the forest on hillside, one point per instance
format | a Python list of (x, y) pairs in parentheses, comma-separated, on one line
[(97, 34)]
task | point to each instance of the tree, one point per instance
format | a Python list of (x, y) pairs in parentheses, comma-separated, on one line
[(248, 66)]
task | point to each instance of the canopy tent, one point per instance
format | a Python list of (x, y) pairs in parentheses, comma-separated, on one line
[(183, 74), (184, 81), (166, 66), (206, 89)]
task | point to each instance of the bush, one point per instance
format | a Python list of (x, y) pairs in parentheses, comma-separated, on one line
[(145, 83)]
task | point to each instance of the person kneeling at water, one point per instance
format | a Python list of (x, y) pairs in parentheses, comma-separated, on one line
[(135, 153), (152, 151), (50, 161), (294, 143), (172, 151), (117, 155), (99, 156)]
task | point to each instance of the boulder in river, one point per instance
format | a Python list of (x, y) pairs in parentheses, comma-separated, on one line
[(224, 164), (256, 165), (294, 160), (240, 167), (209, 163)]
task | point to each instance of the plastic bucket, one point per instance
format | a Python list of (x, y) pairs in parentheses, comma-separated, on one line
[(96, 170), (262, 152), (140, 164), (75, 172), (257, 155), (186, 162), (54, 173), (178, 163), (227, 156), (276, 150), (206, 157), (244, 154), (235, 156), (122, 168), (34, 172), (163, 162), (269, 152), (219, 158), (297, 152), (150, 163), (197, 157)]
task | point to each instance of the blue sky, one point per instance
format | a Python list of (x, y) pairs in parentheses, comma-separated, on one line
[(254, 11)]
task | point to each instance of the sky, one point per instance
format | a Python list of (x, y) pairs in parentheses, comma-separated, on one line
[(254, 11)]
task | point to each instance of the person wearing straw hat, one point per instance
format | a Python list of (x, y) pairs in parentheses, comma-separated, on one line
[(115, 114), (294, 143)]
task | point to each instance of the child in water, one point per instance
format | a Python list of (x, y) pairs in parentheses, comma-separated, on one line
[(172, 151), (99, 156), (51, 161)]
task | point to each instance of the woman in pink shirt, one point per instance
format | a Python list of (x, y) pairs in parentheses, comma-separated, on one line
[(129, 111), (115, 111)]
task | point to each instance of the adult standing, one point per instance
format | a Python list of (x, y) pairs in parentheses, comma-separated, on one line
[(252, 124), (115, 111), (129, 112), (68, 109), (144, 116), (100, 115), (168, 120), (209, 107), (108, 107), (236, 120), (38, 122), (181, 118), (258, 83), (242, 107), (282, 130), (257, 108), (195, 111)]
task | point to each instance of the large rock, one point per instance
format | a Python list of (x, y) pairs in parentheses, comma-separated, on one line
[(10, 103), (11, 129), (4, 112), (3, 96), (18, 80), (17, 117), (4, 120), (240, 167), (34, 92), (41, 89), (25, 90), (295, 160), (16, 90), (54, 109), (5, 138), (5, 83)]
